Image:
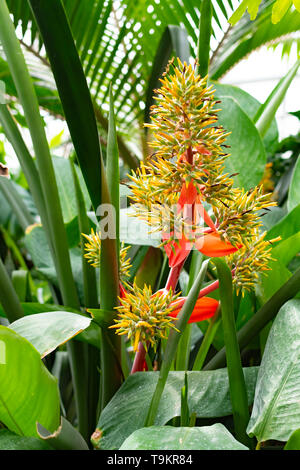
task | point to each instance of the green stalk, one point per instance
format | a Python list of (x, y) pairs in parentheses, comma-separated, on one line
[(264, 315), (16, 202), (30, 106), (237, 386), (111, 363), (203, 46), (8, 297), (111, 369), (183, 350), (172, 343), (88, 271), (89, 387), (207, 341)]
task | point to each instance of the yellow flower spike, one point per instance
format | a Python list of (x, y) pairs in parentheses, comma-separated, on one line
[(147, 315), (93, 253)]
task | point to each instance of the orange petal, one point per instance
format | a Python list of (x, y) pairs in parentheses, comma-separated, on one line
[(188, 195), (177, 250), (205, 308), (212, 245), (201, 149)]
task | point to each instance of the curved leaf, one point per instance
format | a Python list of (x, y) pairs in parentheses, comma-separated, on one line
[(46, 331), (215, 437), (208, 397), (28, 392), (247, 153), (276, 408)]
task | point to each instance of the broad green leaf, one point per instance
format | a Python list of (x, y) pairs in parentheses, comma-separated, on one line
[(73, 90), (294, 441), (46, 331), (287, 249), (287, 226), (294, 191), (276, 408), (249, 105), (215, 437), (272, 280), (28, 392), (127, 411), (247, 154), (11, 441), (66, 188)]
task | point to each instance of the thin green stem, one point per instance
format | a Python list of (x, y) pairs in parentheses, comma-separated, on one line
[(237, 386), (203, 46), (207, 341), (172, 344)]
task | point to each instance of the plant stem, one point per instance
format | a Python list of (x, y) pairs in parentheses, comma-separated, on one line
[(207, 341), (203, 46), (172, 344), (237, 386)]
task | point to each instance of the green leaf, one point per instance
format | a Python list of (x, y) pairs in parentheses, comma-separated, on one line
[(294, 191), (73, 90), (267, 111), (294, 441), (66, 189), (215, 437), (46, 331), (287, 226), (279, 9), (66, 437), (251, 5), (11, 441), (276, 408), (250, 106), (208, 398), (247, 154), (28, 392)]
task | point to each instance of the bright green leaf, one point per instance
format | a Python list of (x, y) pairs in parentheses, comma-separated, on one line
[(279, 9), (46, 331), (294, 441), (11, 441), (215, 437), (28, 392), (126, 412), (276, 408), (247, 154)]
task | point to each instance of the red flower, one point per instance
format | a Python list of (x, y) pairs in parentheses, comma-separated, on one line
[(176, 250), (188, 195), (205, 308), (211, 244)]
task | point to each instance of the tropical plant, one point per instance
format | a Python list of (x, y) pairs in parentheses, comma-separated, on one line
[(149, 281)]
